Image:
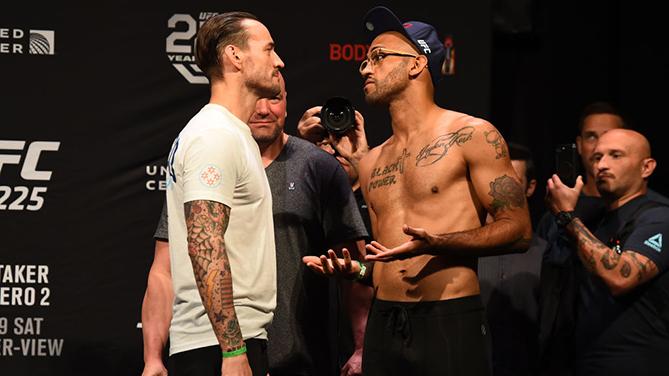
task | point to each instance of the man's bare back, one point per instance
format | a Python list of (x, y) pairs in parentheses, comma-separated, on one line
[(439, 179)]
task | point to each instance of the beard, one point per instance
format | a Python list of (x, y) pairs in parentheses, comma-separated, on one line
[(265, 139), (607, 190), (262, 86), (389, 88)]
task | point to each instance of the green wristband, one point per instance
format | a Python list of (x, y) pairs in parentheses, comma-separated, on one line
[(239, 351), (363, 269)]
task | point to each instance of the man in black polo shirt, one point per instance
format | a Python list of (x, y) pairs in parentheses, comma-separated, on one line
[(621, 312)]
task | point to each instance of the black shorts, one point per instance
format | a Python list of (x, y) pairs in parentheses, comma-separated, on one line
[(446, 337), (206, 361)]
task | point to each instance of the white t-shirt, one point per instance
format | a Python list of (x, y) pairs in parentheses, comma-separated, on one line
[(215, 158)]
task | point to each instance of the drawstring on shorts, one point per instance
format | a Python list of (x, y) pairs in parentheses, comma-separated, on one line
[(398, 322)]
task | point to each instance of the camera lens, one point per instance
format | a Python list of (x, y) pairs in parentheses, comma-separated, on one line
[(338, 115)]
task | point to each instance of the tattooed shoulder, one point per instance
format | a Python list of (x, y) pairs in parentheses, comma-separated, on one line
[(495, 139)]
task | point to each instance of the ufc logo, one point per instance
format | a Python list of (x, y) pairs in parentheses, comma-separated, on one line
[(426, 47), (29, 169)]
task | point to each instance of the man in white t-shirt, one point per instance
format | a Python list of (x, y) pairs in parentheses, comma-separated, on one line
[(221, 235)]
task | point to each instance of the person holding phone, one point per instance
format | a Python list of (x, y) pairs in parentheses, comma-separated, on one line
[(559, 278), (622, 306)]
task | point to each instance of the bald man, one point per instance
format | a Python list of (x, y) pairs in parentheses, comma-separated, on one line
[(622, 316)]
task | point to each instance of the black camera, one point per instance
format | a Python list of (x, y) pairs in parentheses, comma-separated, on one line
[(337, 115)]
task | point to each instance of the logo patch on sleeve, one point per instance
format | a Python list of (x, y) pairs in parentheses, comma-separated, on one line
[(655, 242), (211, 176)]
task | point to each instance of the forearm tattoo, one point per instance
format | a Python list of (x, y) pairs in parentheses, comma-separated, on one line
[(439, 147), (506, 193), (646, 269), (206, 222), (610, 260), (627, 263), (626, 269), (495, 139), (590, 245)]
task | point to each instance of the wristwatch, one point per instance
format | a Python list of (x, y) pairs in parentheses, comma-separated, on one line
[(564, 218)]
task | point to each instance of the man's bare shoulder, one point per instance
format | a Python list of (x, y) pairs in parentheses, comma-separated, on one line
[(452, 121)]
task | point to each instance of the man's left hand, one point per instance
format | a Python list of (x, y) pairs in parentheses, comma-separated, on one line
[(331, 266), (560, 197), (421, 242), (353, 366)]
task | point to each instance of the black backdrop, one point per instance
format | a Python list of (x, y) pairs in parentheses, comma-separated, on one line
[(92, 97), (84, 132), (551, 58)]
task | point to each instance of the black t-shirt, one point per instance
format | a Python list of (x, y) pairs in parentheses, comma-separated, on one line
[(364, 212), (610, 329), (314, 209)]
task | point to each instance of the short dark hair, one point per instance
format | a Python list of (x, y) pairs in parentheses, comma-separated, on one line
[(596, 108), (518, 152), (217, 32)]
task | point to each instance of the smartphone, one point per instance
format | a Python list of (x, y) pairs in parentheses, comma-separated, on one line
[(567, 163)]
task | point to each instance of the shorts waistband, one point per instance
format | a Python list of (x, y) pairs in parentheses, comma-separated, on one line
[(444, 307)]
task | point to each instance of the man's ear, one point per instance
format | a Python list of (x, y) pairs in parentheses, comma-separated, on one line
[(419, 64), (233, 55), (647, 167), (531, 187)]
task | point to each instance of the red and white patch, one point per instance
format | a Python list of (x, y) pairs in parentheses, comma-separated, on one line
[(211, 176)]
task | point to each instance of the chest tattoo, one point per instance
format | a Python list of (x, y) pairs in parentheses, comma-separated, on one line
[(439, 147), (386, 176)]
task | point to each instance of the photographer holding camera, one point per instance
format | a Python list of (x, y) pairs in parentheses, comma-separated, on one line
[(340, 131)]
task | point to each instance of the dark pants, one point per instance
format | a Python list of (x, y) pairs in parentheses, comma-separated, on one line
[(447, 337), (206, 361)]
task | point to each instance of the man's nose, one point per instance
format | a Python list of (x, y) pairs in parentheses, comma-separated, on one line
[(277, 61), (262, 107), (365, 69), (601, 164)]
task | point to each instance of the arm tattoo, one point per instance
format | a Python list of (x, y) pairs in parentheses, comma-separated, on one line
[(206, 222), (495, 139), (628, 262), (438, 148), (590, 245), (506, 193), (584, 234), (610, 259), (644, 268), (591, 261), (625, 270)]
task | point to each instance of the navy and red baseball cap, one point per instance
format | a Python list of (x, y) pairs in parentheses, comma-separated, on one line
[(424, 36)]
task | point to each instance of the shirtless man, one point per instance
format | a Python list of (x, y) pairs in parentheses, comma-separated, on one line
[(428, 188)]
